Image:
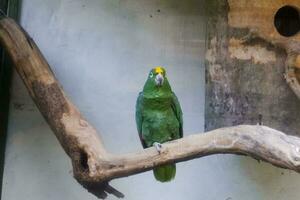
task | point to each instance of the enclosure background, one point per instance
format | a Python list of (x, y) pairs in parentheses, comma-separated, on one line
[(101, 51)]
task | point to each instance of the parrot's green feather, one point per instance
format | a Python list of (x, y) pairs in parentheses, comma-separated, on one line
[(139, 118), (165, 173), (159, 119), (177, 110)]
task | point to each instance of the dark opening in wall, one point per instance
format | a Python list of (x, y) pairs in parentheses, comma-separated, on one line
[(287, 21)]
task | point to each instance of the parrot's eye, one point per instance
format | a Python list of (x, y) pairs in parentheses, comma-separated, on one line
[(151, 75)]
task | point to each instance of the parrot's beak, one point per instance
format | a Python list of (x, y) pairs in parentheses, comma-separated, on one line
[(159, 79)]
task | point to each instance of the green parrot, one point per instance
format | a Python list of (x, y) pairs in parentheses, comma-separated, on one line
[(159, 118)]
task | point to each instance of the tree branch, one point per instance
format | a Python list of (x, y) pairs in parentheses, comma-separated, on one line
[(93, 166)]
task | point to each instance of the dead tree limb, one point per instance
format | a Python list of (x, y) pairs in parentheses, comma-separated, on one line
[(93, 166)]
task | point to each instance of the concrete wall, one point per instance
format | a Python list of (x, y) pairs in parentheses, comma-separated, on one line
[(101, 52), (245, 73)]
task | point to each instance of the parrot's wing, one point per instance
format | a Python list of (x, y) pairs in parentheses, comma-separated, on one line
[(139, 117), (178, 112)]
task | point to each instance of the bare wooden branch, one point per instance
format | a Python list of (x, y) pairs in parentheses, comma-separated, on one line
[(93, 166)]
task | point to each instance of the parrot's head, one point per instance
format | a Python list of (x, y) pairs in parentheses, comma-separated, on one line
[(157, 76), (157, 82)]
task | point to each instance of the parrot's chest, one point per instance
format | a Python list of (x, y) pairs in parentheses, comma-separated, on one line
[(159, 121)]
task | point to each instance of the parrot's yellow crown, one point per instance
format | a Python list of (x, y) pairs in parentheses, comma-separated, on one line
[(159, 70)]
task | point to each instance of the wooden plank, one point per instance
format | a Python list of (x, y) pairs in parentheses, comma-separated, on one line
[(11, 7)]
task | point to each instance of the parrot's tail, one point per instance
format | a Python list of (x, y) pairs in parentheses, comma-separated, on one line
[(165, 173)]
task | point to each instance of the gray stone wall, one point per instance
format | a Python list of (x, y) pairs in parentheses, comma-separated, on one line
[(245, 80)]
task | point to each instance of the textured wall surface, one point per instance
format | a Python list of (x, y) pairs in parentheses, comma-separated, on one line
[(245, 74), (245, 80), (101, 52)]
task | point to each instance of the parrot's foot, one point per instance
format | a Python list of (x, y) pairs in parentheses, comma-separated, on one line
[(157, 146)]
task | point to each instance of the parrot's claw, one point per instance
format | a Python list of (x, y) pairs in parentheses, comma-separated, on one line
[(157, 146)]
